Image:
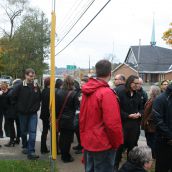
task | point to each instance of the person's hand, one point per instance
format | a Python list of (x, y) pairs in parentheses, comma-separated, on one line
[(138, 115), (1, 92), (135, 115), (132, 116)]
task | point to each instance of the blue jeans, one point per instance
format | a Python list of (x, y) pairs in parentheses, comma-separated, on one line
[(99, 161), (28, 125)]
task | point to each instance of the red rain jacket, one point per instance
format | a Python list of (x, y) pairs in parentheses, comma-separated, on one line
[(100, 121)]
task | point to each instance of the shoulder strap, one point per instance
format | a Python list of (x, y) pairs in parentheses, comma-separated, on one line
[(64, 104)]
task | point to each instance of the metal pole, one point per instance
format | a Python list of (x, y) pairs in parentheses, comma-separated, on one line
[(52, 91)]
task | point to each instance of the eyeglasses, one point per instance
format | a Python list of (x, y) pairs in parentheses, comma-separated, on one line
[(31, 76), (136, 83)]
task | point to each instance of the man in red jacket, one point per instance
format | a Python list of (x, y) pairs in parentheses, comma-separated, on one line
[(100, 122)]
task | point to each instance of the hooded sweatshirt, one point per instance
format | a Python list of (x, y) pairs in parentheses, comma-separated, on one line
[(100, 122)]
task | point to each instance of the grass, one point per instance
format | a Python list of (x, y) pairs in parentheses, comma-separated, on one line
[(24, 166)]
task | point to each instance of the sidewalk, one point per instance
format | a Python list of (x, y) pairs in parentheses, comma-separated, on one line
[(14, 153)]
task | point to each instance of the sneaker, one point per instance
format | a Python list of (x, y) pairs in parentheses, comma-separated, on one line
[(25, 151), (32, 156)]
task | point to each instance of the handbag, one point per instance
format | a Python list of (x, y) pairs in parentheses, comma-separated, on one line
[(61, 111)]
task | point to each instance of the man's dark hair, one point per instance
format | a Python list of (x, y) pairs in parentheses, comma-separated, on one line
[(47, 82), (59, 83), (29, 70), (130, 80), (103, 68)]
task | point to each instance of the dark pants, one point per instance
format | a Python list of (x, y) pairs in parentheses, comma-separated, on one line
[(1, 120), (78, 137), (6, 127), (28, 125), (99, 161), (46, 127), (10, 124), (163, 157), (66, 138), (131, 137), (18, 127), (151, 139)]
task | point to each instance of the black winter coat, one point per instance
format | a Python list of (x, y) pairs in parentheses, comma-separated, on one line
[(68, 115), (129, 105), (45, 103), (28, 98), (129, 167), (162, 115), (119, 88), (8, 105), (144, 96)]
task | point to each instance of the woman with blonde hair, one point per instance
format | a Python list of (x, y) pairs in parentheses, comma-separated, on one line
[(147, 121)]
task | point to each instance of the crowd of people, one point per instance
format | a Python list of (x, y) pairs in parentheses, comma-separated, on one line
[(107, 122)]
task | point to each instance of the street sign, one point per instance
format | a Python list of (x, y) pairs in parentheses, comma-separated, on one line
[(71, 67)]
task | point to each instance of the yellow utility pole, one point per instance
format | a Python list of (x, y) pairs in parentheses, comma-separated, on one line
[(52, 88)]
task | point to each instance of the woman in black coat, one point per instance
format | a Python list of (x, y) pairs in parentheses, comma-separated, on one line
[(131, 113), (66, 113), (10, 113), (45, 114)]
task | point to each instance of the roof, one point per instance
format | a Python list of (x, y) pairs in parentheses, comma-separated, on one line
[(122, 65), (152, 58)]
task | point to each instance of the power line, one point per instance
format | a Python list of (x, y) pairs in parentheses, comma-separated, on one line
[(70, 14), (84, 27), (74, 18), (75, 22)]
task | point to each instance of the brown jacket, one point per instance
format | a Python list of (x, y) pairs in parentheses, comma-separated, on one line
[(147, 121)]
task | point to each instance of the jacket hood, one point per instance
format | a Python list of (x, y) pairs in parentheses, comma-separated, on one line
[(92, 85)]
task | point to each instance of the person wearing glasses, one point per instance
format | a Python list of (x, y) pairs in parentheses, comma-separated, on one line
[(164, 85), (131, 113), (28, 97)]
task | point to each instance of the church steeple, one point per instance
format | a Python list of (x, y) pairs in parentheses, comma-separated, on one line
[(153, 42)]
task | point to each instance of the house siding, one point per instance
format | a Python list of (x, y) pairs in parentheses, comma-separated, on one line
[(125, 70), (168, 76)]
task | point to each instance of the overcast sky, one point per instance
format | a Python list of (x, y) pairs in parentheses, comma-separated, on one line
[(121, 24)]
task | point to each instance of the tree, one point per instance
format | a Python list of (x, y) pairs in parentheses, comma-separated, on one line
[(29, 45), (13, 9), (167, 35)]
